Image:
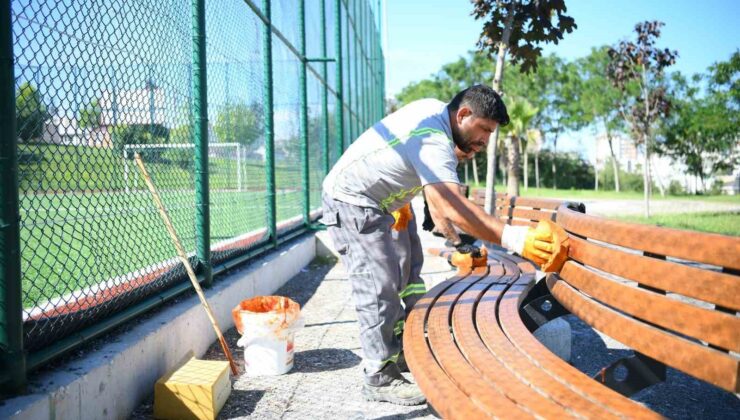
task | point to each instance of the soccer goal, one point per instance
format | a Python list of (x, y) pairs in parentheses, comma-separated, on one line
[(225, 162)]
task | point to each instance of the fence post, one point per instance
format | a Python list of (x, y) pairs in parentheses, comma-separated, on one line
[(325, 93), (269, 123), (200, 140), (340, 100), (304, 112), (351, 91), (12, 357)]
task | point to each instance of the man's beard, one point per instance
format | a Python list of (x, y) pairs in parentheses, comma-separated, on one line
[(461, 141)]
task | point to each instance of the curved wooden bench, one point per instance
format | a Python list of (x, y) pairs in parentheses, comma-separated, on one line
[(671, 295), (472, 355)]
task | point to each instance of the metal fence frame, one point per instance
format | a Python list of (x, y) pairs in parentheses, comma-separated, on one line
[(367, 81)]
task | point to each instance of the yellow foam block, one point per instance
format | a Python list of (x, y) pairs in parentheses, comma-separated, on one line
[(197, 390)]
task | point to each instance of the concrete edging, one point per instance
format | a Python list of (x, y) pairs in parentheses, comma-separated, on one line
[(112, 381)]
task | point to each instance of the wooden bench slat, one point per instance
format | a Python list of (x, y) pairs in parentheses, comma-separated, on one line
[(526, 214), (537, 203), (491, 364), (707, 248), (709, 286), (705, 363), (714, 327), (547, 362), (517, 222), (497, 357), (505, 200), (443, 394), (454, 363)]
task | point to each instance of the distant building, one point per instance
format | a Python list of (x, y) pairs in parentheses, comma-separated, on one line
[(624, 150), (60, 129), (132, 107), (664, 169), (730, 183)]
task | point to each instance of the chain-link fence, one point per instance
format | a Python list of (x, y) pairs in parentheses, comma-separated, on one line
[(235, 108)]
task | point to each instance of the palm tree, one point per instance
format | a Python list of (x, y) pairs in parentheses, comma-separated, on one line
[(533, 143), (521, 113)]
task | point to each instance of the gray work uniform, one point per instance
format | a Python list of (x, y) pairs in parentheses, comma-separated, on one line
[(379, 173)]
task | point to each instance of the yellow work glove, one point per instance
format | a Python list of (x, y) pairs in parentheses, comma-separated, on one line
[(402, 217), (546, 244)]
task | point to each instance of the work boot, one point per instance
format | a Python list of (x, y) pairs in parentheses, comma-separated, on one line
[(389, 385), (401, 362)]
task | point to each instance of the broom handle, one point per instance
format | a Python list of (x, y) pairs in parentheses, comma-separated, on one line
[(184, 258)]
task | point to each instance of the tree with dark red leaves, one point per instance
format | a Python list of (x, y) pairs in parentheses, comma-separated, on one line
[(638, 67)]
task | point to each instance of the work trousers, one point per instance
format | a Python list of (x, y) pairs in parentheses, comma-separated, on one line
[(384, 268)]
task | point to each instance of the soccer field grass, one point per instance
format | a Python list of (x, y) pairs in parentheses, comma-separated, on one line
[(73, 241)]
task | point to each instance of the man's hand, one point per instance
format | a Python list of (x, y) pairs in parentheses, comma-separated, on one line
[(546, 244)]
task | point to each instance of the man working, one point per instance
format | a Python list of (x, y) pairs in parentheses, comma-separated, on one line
[(416, 148)]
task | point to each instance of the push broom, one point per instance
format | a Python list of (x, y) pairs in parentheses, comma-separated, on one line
[(184, 258)]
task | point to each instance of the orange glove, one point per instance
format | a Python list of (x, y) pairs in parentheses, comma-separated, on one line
[(546, 244), (475, 258), (402, 217)]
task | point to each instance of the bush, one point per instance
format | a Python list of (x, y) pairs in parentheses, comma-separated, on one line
[(628, 181), (572, 171), (675, 188)]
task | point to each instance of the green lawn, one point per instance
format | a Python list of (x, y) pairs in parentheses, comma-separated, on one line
[(611, 195), (73, 241), (80, 226), (724, 223)]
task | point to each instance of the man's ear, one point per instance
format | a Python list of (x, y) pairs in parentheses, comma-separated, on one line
[(462, 112)]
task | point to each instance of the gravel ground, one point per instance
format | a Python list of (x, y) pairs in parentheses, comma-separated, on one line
[(326, 378)]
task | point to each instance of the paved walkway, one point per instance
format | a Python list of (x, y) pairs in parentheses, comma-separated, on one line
[(325, 381), (635, 207)]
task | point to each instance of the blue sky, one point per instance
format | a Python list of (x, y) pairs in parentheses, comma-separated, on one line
[(425, 34)]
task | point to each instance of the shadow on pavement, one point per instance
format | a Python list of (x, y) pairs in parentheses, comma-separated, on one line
[(324, 360), (679, 397), (421, 412), (241, 403)]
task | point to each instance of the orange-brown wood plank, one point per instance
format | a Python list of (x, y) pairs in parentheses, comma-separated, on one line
[(707, 248), (483, 393), (500, 361), (441, 392), (537, 203), (714, 327), (561, 381), (713, 366), (710, 286), (518, 222), (526, 214)]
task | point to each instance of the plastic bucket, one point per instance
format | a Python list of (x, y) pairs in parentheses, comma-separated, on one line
[(268, 325)]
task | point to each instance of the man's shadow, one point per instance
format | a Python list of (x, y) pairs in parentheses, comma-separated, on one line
[(324, 360)]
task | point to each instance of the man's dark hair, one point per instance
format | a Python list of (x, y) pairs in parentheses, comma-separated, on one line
[(483, 101)]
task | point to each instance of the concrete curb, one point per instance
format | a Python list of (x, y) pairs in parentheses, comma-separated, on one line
[(112, 381)]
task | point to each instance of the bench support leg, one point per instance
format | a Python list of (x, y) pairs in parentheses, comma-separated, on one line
[(632, 374), (539, 307)]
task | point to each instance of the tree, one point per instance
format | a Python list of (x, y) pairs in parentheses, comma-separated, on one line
[(703, 132), (562, 94), (600, 100), (239, 124), (140, 134), (31, 113), (642, 63), (534, 143), (518, 27), (89, 117), (521, 113)]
